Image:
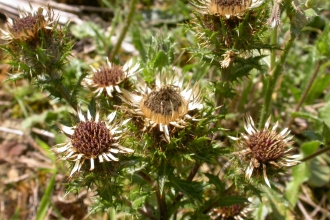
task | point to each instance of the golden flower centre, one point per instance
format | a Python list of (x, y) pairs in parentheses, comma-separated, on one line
[(163, 106)]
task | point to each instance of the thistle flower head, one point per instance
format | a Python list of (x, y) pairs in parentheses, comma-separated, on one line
[(27, 26), (222, 25), (236, 211), (91, 139), (36, 44), (225, 8), (109, 77), (167, 104), (265, 149)]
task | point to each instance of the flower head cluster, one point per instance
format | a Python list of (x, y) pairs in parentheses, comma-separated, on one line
[(167, 104), (109, 77), (265, 149), (91, 139)]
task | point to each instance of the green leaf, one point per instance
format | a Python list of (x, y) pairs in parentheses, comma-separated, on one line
[(323, 42), (199, 141), (309, 147), (87, 29), (297, 16), (165, 170), (43, 117), (161, 60), (280, 206), (92, 107), (318, 166), (306, 116), (244, 66), (324, 113), (314, 136), (300, 174), (319, 85), (310, 14), (46, 198), (320, 171), (139, 201), (213, 179), (47, 150), (192, 189), (138, 42), (326, 133), (232, 200)]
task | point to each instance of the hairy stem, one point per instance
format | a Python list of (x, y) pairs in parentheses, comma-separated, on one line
[(62, 89), (272, 80), (273, 42), (122, 35)]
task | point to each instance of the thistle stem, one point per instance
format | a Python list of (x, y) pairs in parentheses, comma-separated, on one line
[(163, 214), (273, 42), (190, 177), (62, 89), (272, 80), (216, 201), (225, 74), (315, 154), (141, 211), (122, 35), (303, 97)]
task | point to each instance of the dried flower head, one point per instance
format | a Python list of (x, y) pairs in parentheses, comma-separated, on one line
[(236, 211), (265, 149), (91, 139), (167, 104), (29, 25), (36, 44), (229, 57), (109, 77), (225, 8), (222, 25)]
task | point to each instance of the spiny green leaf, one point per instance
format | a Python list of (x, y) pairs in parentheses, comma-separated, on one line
[(161, 60), (213, 179), (297, 16), (232, 200), (192, 189)]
